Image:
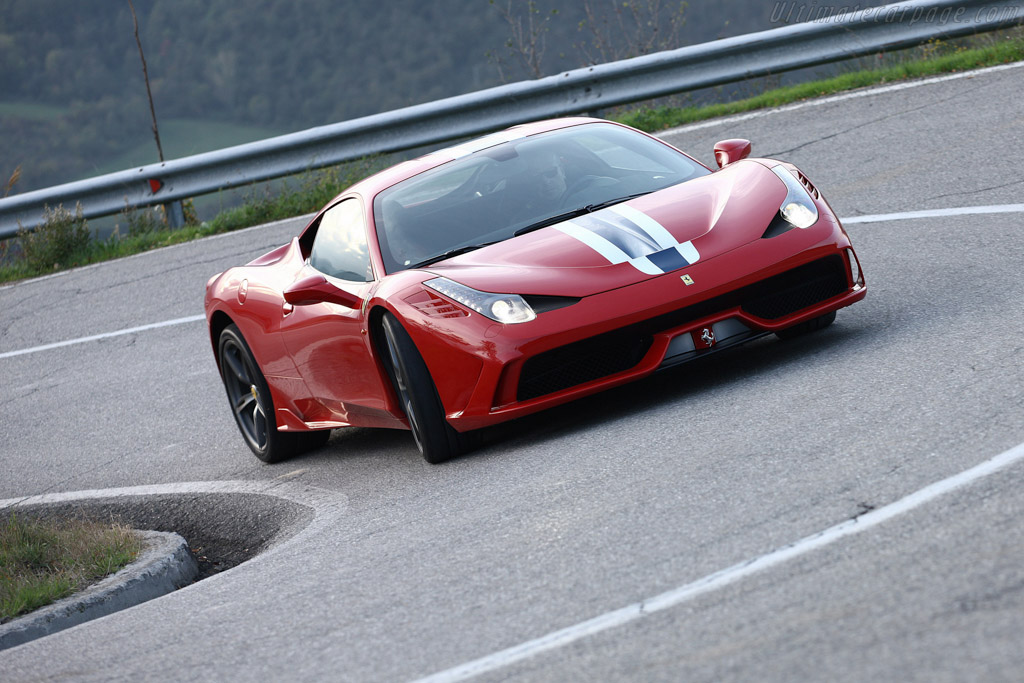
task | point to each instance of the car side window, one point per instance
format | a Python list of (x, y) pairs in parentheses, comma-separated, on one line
[(339, 248)]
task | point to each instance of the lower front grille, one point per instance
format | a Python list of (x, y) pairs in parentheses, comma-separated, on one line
[(581, 362), (607, 354), (796, 289)]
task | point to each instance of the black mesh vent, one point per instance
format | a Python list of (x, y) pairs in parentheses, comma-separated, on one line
[(607, 354), (581, 362), (796, 289)]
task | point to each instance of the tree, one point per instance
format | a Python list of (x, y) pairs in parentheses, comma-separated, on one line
[(629, 29), (526, 41), (145, 75), (610, 30)]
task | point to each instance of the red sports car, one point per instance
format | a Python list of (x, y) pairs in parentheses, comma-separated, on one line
[(516, 272)]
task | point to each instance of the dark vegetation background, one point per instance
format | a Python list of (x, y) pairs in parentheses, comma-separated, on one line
[(73, 102)]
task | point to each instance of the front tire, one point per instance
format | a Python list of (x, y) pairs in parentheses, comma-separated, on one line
[(436, 439), (252, 405)]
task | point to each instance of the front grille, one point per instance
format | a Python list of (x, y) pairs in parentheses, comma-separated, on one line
[(581, 362), (613, 352), (796, 289)]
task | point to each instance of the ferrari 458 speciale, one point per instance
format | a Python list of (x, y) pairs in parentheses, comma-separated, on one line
[(516, 272)]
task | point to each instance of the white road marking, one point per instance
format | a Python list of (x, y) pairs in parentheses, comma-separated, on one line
[(725, 577), (581, 234), (866, 92), (934, 213), (105, 335), (313, 497)]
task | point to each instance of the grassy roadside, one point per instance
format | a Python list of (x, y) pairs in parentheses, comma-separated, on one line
[(940, 58), (64, 240), (43, 561), (60, 244)]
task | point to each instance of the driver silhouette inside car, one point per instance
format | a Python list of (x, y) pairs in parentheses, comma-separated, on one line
[(553, 189)]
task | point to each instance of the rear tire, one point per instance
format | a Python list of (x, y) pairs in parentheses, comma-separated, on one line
[(252, 405), (436, 439), (808, 326)]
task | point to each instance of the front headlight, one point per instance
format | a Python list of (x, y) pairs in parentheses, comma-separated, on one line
[(503, 308), (797, 208)]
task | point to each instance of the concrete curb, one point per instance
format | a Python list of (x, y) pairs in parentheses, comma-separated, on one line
[(164, 565)]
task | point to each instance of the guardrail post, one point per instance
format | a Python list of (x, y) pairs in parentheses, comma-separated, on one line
[(175, 214)]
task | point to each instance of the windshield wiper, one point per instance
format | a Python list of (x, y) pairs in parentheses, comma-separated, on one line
[(618, 200), (450, 253), (589, 208)]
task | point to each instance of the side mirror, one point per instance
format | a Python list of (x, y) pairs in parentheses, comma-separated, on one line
[(315, 289), (728, 151)]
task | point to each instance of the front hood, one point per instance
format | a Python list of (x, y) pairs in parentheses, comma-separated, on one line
[(630, 242)]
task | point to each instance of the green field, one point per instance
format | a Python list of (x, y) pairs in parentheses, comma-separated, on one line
[(32, 112), (185, 137)]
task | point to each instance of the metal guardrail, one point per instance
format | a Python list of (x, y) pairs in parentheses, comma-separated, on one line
[(821, 40)]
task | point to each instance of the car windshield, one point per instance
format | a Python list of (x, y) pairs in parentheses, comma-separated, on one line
[(491, 194)]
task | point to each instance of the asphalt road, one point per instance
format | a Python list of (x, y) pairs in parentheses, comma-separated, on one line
[(412, 569)]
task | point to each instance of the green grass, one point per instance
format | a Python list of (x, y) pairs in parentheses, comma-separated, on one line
[(32, 112), (310, 191), (185, 137), (963, 59), (57, 244), (44, 561)]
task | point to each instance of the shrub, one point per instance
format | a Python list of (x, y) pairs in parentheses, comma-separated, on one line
[(141, 221), (61, 241)]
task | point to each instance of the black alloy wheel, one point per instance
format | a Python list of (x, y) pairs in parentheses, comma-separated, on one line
[(252, 405)]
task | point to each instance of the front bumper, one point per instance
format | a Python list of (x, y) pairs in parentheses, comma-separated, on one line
[(622, 335)]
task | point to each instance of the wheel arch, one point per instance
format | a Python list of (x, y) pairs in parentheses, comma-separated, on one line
[(374, 323), (218, 322), (375, 326), (454, 371)]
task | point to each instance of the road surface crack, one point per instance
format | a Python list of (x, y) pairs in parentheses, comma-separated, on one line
[(869, 123), (862, 509), (983, 189)]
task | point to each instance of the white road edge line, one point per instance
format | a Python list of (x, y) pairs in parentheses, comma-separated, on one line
[(865, 92), (873, 218), (724, 577), (318, 499), (105, 335), (934, 213)]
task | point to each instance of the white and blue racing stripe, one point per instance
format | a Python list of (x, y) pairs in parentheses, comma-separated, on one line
[(623, 234), (642, 221), (608, 249)]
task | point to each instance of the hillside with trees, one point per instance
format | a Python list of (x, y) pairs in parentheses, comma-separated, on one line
[(73, 102)]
